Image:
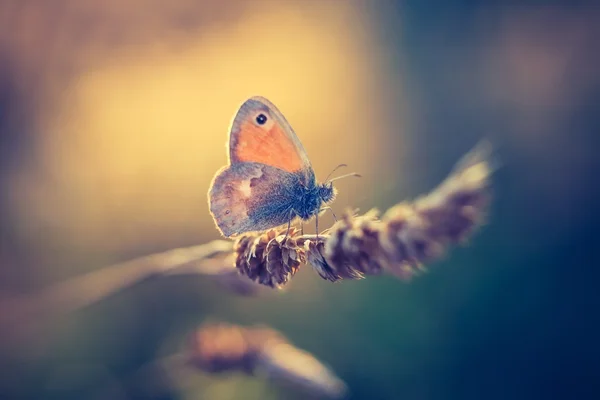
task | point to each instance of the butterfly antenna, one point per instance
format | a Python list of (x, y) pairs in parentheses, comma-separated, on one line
[(335, 169), (345, 176)]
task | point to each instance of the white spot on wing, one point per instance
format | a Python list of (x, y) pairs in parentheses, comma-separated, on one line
[(244, 188)]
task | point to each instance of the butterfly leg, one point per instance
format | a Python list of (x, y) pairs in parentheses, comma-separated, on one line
[(330, 209), (289, 225), (287, 232), (317, 225)]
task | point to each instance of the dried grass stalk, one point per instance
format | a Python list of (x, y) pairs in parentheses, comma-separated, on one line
[(222, 347), (21, 316), (399, 242)]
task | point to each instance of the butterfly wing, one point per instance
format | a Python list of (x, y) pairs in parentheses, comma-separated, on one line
[(252, 197), (260, 133)]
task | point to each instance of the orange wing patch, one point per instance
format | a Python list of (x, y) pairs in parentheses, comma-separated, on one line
[(267, 146)]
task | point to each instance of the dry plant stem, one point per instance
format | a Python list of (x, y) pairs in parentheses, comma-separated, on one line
[(406, 236), (207, 259), (222, 347), (399, 242)]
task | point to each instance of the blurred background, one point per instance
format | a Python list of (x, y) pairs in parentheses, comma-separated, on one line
[(113, 120)]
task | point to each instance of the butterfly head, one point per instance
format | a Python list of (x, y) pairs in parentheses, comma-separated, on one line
[(312, 199), (327, 192)]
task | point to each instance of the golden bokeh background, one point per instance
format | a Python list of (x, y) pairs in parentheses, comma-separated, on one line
[(135, 133)]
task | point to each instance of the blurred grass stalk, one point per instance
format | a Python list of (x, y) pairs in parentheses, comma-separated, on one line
[(208, 260), (221, 349), (260, 351)]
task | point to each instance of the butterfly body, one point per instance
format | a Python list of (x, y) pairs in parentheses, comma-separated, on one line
[(269, 181)]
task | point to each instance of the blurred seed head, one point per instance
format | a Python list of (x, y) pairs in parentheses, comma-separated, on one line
[(221, 347)]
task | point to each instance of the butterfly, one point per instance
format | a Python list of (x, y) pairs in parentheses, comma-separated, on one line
[(269, 180)]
